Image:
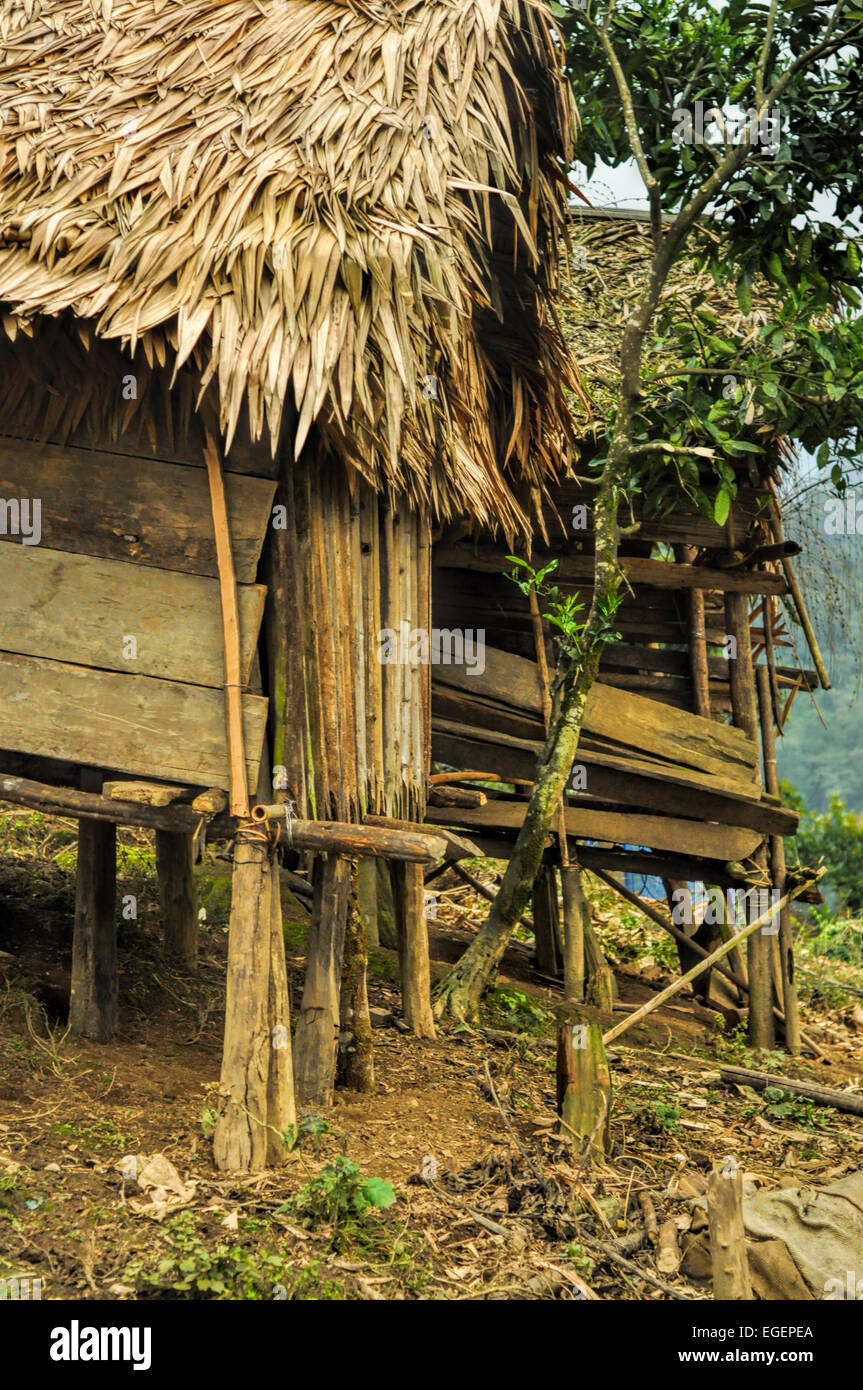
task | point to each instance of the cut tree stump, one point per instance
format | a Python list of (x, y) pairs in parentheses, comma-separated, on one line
[(413, 947), (317, 1035), (240, 1139), (93, 994), (583, 1083), (177, 895), (727, 1236)]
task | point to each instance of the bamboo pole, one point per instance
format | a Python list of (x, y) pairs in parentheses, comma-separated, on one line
[(698, 667), (698, 969), (231, 628), (797, 596)]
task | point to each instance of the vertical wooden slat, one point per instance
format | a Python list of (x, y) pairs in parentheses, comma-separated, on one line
[(371, 578)]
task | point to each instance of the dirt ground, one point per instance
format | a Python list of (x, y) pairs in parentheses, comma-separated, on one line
[(489, 1200)]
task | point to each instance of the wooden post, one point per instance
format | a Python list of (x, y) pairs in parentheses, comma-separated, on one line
[(743, 704), (544, 919), (583, 1083), (356, 1055), (281, 1105), (177, 895), (386, 906), (93, 995), (727, 1236), (413, 947), (316, 1039), (367, 898), (698, 666), (778, 869), (240, 1140)]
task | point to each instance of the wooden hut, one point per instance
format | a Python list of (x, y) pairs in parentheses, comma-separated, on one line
[(274, 283), (676, 775)]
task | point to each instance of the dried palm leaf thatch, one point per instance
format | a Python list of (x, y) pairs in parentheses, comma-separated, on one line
[(354, 207), (607, 264)]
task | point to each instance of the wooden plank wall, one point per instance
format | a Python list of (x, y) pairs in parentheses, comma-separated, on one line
[(110, 627)]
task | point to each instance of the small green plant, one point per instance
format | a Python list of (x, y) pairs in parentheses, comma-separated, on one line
[(657, 1113), (339, 1196), (579, 1257), (517, 1010), (778, 1104), (562, 610)]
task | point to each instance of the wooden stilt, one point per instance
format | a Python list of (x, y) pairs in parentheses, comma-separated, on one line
[(281, 1105), (778, 869), (743, 703), (386, 906), (367, 897), (583, 1083), (544, 917), (93, 996), (413, 947), (356, 1056), (240, 1140), (177, 896), (316, 1039)]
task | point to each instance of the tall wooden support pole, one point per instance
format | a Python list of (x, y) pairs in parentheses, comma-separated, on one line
[(317, 1035), (240, 1140), (93, 996), (698, 667), (367, 898), (413, 947), (385, 904), (583, 1083), (727, 1236), (177, 895), (356, 1055), (778, 868), (544, 921), (743, 704), (281, 1103)]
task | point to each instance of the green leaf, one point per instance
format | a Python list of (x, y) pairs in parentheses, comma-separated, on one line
[(722, 506), (379, 1192)]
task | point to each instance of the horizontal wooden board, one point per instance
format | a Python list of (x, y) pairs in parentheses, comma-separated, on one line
[(134, 724), (82, 609), (120, 508), (641, 723), (658, 574), (702, 839), (622, 781)]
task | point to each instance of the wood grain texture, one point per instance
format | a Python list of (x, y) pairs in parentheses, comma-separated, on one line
[(82, 608), (155, 514), (135, 724)]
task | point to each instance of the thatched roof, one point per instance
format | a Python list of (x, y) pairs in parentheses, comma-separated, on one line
[(320, 206), (608, 262)]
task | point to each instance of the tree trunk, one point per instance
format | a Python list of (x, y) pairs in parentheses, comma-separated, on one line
[(93, 996), (177, 896), (281, 1104), (356, 1054)]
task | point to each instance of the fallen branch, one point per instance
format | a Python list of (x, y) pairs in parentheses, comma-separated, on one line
[(823, 1095)]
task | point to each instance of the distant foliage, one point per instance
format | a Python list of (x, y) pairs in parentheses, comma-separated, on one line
[(836, 838)]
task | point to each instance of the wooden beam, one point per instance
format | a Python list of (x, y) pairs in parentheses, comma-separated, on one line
[(658, 574), (455, 846), (377, 837), (699, 839)]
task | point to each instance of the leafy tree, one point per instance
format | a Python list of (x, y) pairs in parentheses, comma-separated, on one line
[(742, 195)]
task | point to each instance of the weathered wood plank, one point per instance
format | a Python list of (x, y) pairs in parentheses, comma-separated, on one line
[(135, 724), (154, 513), (85, 610), (703, 840)]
